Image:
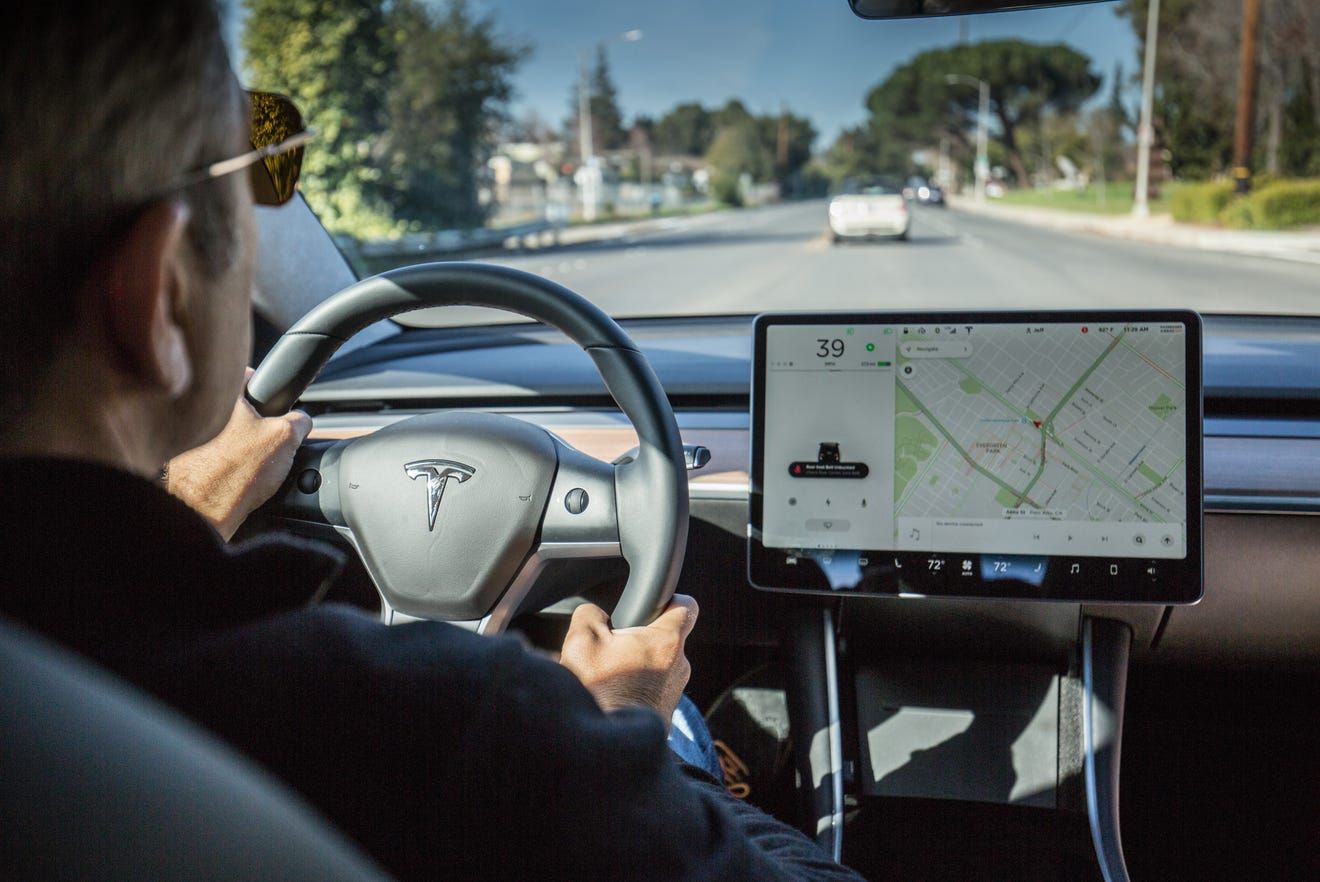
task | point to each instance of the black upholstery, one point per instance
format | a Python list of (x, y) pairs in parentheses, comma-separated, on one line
[(98, 781)]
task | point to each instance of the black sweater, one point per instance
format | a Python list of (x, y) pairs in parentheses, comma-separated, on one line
[(442, 753)]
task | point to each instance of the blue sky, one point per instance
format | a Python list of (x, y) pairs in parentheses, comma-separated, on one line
[(815, 55)]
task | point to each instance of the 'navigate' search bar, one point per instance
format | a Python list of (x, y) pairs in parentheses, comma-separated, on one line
[(935, 349)]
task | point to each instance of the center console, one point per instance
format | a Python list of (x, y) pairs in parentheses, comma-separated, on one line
[(955, 460)]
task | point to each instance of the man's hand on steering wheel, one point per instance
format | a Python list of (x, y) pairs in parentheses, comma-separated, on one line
[(232, 475), (632, 667)]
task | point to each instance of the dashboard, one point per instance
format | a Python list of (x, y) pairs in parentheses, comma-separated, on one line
[(1261, 603)]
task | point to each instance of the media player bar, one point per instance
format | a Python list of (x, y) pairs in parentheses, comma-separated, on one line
[(1040, 537)]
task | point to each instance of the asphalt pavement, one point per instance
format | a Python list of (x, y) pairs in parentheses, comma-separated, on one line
[(781, 257)]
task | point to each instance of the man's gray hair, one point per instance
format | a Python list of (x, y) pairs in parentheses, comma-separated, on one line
[(104, 105)]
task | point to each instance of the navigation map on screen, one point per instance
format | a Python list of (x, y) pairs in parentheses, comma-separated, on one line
[(1031, 439)]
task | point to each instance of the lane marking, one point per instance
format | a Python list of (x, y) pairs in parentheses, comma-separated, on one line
[(818, 244)]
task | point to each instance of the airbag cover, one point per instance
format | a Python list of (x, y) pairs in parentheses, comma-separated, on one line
[(446, 508)]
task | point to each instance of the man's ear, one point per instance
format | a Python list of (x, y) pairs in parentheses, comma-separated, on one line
[(147, 275)]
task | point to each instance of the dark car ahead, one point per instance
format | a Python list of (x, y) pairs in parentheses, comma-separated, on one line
[(924, 191)]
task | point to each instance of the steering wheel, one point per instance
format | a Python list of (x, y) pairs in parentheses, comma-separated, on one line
[(456, 515)]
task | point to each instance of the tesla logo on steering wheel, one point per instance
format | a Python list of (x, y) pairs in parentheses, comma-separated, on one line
[(437, 473)]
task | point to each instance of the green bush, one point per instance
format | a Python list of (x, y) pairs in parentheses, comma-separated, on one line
[(1238, 215), (1263, 179), (1276, 206), (725, 189), (1201, 203)]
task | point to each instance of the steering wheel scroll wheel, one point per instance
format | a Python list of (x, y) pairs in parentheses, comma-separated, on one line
[(456, 515)]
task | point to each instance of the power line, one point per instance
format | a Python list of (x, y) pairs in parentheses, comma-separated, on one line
[(1072, 25)]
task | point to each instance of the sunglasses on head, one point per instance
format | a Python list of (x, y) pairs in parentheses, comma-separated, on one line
[(275, 160)]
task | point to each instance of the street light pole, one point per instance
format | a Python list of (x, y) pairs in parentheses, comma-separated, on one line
[(1146, 128), (982, 167), (585, 147), (586, 150)]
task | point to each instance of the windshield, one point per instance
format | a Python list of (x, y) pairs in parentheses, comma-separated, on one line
[(685, 158), (869, 187)]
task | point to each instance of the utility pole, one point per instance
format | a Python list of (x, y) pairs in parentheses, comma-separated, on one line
[(781, 140), (1244, 130), (1146, 128)]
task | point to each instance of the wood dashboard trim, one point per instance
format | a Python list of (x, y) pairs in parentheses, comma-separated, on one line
[(1233, 466), (728, 447)]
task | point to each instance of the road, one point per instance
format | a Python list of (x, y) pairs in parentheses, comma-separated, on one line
[(780, 257)]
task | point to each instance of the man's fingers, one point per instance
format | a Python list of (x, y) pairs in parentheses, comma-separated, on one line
[(681, 615), (591, 617), (301, 424)]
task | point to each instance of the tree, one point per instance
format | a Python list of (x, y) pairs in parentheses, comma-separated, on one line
[(732, 115), (445, 101), (1104, 129), (785, 138), (789, 139), (1054, 137), (1117, 108), (404, 100), (916, 105), (735, 152), (607, 131), (1196, 75), (530, 128), (606, 117), (335, 58), (687, 130), (862, 150), (1301, 151)]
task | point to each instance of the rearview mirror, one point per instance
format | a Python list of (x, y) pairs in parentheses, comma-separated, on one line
[(917, 8)]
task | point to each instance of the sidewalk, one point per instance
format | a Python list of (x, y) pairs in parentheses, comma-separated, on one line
[(1303, 247), (381, 254)]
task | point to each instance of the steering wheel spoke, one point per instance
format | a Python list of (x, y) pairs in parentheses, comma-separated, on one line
[(580, 523), (583, 507), (311, 492)]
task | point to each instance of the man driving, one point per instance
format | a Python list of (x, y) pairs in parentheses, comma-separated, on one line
[(127, 256)]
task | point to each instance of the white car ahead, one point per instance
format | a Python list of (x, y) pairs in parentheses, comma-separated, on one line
[(869, 207)]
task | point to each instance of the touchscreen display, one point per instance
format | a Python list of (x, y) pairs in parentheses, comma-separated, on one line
[(1010, 443)]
